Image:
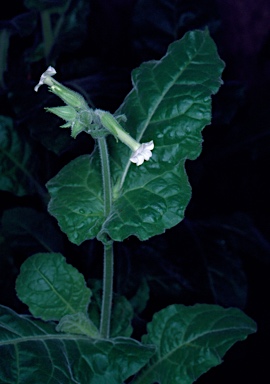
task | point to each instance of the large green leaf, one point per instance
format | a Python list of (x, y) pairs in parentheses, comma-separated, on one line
[(77, 198), (33, 352), (51, 287), (170, 104), (15, 157), (191, 340)]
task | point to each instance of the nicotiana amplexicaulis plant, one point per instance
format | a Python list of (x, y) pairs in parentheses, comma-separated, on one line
[(134, 183)]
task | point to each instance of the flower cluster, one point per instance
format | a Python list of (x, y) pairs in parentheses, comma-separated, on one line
[(79, 117)]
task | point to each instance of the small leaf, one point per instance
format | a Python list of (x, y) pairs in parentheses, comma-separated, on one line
[(52, 288), (140, 299), (191, 340), (15, 157), (78, 324), (122, 315), (34, 352)]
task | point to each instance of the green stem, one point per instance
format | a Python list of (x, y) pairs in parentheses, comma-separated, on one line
[(4, 44), (106, 175), (47, 33), (107, 294), (108, 248)]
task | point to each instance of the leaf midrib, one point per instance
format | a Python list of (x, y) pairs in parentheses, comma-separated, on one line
[(166, 357), (166, 89)]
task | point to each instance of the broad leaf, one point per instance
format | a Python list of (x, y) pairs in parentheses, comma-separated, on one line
[(15, 159), (33, 352), (52, 288), (191, 340), (169, 104), (77, 198)]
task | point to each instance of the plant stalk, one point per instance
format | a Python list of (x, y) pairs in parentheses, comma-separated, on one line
[(107, 293), (47, 33)]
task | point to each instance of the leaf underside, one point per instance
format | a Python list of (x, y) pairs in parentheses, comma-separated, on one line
[(170, 103)]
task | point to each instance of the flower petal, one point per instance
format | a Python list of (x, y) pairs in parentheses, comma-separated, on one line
[(142, 153), (48, 73)]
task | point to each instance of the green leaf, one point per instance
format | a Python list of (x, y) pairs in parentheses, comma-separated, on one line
[(122, 315), (52, 288), (29, 231), (34, 352), (15, 157), (78, 324), (77, 198), (141, 297), (170, 103), (191, 340)]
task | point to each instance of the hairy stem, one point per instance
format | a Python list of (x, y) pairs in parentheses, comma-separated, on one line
[(107, 294), (108, 248)]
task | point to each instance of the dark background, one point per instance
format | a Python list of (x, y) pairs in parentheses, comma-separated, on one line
[(220, 253)]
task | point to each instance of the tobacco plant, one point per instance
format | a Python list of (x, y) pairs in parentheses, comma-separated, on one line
[(134, 183)]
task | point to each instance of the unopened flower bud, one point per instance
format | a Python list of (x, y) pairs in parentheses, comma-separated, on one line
[(70, 97), (76, 128)]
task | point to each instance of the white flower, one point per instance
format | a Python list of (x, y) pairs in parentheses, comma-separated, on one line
[(46, 78), (142, 153)]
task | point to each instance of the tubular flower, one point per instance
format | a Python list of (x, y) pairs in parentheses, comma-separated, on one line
[(142, 153), (46, 78), (70, 97)]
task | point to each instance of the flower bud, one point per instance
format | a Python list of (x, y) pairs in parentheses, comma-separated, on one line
[(70, 97), (76, 128), (86, 117)]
